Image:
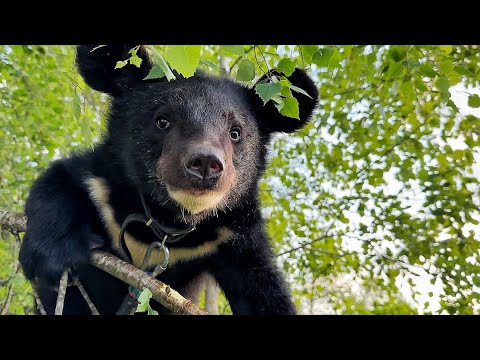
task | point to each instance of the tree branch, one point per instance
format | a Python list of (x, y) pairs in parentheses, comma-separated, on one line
[(62, 291), (171, 299), (12, 221), (240, 58), (131, 275), (323, 237), (84, 293), (9, 297), (39, 303)]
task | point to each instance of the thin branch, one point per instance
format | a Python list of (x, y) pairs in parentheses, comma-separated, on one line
[(9, 297), (258, 63), (323, 237), (122, 270), (264, 60), (86, 297), (404, 264), (39, 303), (62, 290), (301, 54), (240, 58)]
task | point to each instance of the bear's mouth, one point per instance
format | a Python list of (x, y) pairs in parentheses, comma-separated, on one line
[(196, 201)]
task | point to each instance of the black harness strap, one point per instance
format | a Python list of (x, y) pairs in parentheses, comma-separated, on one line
[(165, 233)]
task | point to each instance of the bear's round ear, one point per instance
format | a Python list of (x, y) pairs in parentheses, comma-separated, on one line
[(271, 120), (97, 64)]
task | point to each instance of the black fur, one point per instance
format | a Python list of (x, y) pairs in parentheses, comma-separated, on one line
[(64, 223)]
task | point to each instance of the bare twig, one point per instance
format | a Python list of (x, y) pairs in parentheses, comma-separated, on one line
[(323, 237), (39, 303), (84, 293), (122, 270), (264, 60), (9, 297), (62, 290), (301, 54), (240, 58), (258, 63)]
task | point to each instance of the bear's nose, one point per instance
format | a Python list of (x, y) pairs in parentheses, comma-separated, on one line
[(204, 165)]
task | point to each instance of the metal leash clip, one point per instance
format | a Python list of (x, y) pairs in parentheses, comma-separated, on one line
[(130, 302), (166, 257)]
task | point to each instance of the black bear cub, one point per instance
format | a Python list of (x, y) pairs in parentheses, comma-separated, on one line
[(187, 154)]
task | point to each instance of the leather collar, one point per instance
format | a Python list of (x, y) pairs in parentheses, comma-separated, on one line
[(166, 234)]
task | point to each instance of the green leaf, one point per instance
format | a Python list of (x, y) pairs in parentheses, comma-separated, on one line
[(427, 70), (142, 307), (16, 281), (121, 64), (420, 84), (144, 296), (327, 57), (446, 67), (286, 92), (413, 120), (143, 300), (134, 59), (397, 53), (86, 131), (361, 211), (443, 85), (160, 61), (343, 219), (290, 108), (151, 311), (246, 70), (322, 57), (279, 104), (462, 70), (183, 58), (335, 59), (286, 66), (447, 49), (474, 101), (267, 90), (156, 72), (279, 101), (337, 153), (209, 64), (234, 49), (442, 162), (308, 51), (76, 108), (301, 91)]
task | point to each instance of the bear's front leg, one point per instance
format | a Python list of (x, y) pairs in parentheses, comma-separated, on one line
[(250, 280), (58, 228)]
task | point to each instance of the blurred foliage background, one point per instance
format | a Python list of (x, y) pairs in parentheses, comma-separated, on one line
[(372, 208)]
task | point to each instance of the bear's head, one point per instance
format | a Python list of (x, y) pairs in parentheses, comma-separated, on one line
[(197, 144)]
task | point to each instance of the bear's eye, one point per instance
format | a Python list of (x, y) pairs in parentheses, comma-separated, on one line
[(162, 123), (235, 133)]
